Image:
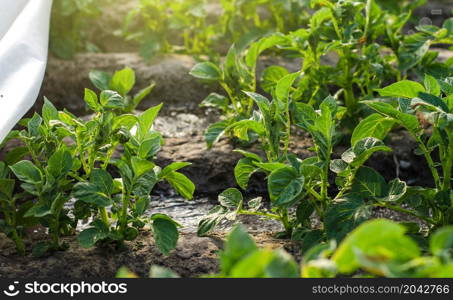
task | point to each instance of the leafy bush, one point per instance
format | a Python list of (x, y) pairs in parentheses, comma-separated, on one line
[(69, 31), (71, 158), (425, 111)]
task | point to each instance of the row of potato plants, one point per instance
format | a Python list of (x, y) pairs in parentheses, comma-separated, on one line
[(196, 27), (66, 158), (377, 248), (372, 51)]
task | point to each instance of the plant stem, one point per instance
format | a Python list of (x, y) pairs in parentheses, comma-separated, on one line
[(259, 213), (446, 185), (348, 184), (430, 162), (123, 217), (104, 216), (406, 211)]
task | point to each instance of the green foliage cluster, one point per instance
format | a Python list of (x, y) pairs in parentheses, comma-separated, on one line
[(73, 159), (70, 26), (382, 79), (299, 189)]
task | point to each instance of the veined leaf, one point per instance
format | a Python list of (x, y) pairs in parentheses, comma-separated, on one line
[(407, 120), (285, 185), (402, 89), (243, 170), (231, 198), (375, 126), (206, 71), (215, 132), (165, 234), (181, 184)]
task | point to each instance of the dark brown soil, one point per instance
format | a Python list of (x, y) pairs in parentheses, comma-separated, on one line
[(193, 257)]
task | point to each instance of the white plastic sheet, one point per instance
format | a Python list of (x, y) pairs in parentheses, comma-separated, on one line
[(24, 35)]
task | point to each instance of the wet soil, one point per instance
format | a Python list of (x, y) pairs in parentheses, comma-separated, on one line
[(194, 256)]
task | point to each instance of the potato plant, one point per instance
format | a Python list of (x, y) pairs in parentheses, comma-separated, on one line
[(122, 82), (368, 40), (236, 75), (72, 158), (298, 188), (165, 26), (425, 111), (69, 33)]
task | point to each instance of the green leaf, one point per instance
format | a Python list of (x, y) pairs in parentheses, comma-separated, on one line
[(432, 86), (270, 166), (266, 263), (91, 100), (41, 249), (338, 166), (441, 243), (242, 127), (375, 126), (89, 237), (112, 100), (60, 163), (261, 45), (123, 81), (263, 104), (150, 146), (173, 167), (285, 185), (214, 217), (103, 180), (271, 76), (146, 120), (430, 101), (181, 184), (206, 71), (145, 184), (100, 79), (165, 234), (127, 121), (396, 190), (402, 89), (344, 215), (216, 101), (407, 120), (283, 88), (250, 155), (33, 125), (369, 183), (231, 198), (379, 239), (90, 193), (141, 166), (239, 244), (362, 150), (49, 112), (16, 154), (304, 211), (7, 188), (27, 172), (98, 191), (215, 132)]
